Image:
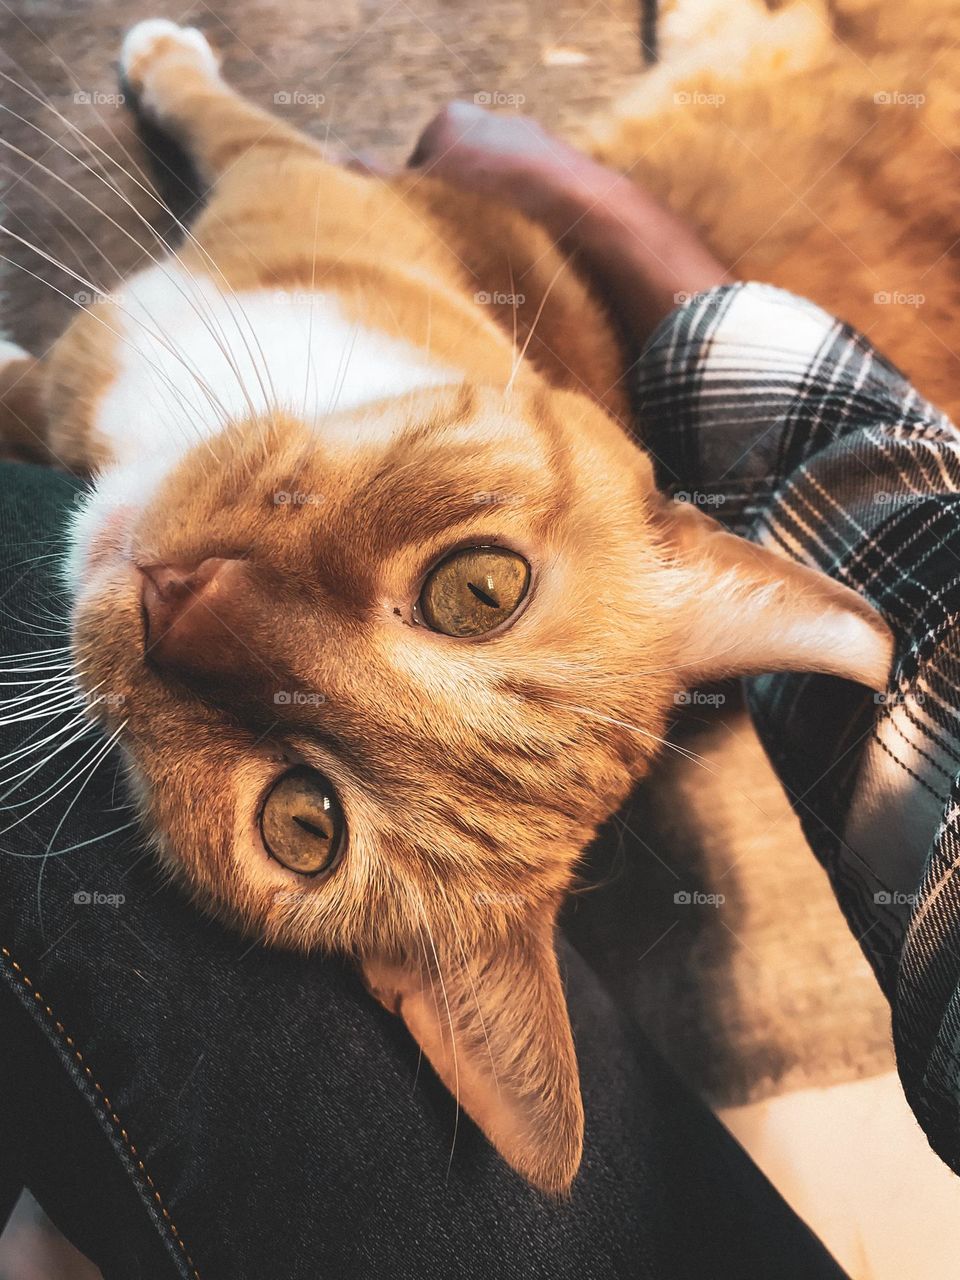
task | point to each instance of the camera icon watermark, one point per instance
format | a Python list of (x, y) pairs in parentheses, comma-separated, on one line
[(897, 98), (497, 299), (298, 98), (93, 898), (697, 698), (498, 98), (90, 297), (894, 898), (97, 98), (695, 99), (298, 698), (697, 498), (286, 498), (694, 898), (898, 298), (681, 298), (896, 698), (884, 499)]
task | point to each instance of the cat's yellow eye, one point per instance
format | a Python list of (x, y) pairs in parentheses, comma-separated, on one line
[(302, 823), (474, 590)]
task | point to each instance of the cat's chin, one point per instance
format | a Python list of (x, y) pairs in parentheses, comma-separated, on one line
[(99, 545), (111, 539)]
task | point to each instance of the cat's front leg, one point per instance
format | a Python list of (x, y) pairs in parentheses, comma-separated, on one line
[(174, 78)]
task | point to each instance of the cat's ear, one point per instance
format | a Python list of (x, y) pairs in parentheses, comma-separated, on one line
[(751, 610), (497, 1033)]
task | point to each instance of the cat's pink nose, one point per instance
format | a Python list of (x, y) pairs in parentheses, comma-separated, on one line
[(191, 614)]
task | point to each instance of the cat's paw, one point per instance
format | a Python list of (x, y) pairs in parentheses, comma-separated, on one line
[(155, 42)]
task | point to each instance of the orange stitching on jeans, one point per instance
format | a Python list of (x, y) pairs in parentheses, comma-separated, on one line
[(105, 1101)]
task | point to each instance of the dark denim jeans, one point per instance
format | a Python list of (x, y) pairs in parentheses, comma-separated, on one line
[(184, 1103)]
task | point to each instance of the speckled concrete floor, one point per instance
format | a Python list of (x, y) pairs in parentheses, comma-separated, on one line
[(364, 74)]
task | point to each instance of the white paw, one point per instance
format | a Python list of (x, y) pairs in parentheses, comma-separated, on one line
[(9, 351), (150, 42)]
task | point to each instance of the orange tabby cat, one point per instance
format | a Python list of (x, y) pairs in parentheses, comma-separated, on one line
[(390, 610), (815, 144)]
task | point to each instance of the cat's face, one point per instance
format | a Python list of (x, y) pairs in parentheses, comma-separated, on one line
[(467, 750), (442, 623), (426, 652)]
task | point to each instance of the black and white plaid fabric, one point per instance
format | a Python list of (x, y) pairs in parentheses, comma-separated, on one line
[(789, 427)]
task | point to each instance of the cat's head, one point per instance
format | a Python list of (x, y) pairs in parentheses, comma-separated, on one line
[(380, 683)]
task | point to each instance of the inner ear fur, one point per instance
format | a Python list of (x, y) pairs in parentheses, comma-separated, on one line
[(495, 1029), (750, 609)]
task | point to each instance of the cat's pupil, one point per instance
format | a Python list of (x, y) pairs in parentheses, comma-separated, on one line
[(309, 826), (484, 596)]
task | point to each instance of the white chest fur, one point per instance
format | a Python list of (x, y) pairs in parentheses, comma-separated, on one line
[(194, 355)]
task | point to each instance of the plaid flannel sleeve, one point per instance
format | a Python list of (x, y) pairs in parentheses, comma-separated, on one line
[(790, 428)]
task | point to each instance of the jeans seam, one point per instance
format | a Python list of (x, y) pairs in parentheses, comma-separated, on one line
[(106, 1106)]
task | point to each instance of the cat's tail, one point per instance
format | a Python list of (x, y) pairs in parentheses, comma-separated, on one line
[(23, 431)]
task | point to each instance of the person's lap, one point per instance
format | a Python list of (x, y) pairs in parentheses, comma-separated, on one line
[(177, 1095)]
